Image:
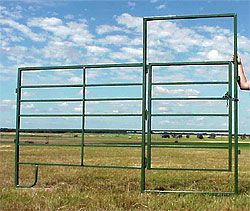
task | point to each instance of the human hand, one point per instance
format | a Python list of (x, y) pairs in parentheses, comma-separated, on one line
[(238, 59)]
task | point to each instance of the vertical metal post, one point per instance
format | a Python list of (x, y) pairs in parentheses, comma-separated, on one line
[(230, 157), (83, 112), (143, 105), (18, 109), (149, 117), (235, 108)]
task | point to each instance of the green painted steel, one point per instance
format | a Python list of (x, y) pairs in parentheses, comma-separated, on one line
[(227, 97), (83, 112), (83, 130), (146, 115), (18, 104), (191, 83), (236, 164)]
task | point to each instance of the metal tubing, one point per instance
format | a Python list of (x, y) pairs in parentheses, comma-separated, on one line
[(18, 110), (236, 188), (188, 98), (113, 99), (80, 145), (120, 84), (191, 83), (105, 115), (189, 146), (189, 115), (80, 130), (189, 130), (230, 156), (175, 17), (77, 165), (35, 179), (80, 66), (191, 63), (149, 117), (83, 113), (50, 100), (51, 86), (144, 105), (50, 115), (191, 192), (187, 169)]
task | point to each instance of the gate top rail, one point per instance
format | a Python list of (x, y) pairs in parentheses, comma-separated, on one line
[(191, 63), (80, 66), (175, 17)]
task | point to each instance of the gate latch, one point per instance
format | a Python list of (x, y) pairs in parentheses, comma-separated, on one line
[(227, 96)]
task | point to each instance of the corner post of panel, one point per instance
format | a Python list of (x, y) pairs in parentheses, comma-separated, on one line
[(83, 112), (18, 110), (236, 170), (230, 157), (143, 105), (149, 117)]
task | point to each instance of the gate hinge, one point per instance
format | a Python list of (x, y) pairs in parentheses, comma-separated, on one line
[(16, 90), (146, 114)]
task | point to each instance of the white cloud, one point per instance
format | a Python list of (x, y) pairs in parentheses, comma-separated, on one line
[(6, 105), (163, 109), (75, 80), (27, 94), (75, 31), (131, 4), (78, 108), (115, 40), (130, 21), (64, 104), (162, 6), (96, 50), (158, 90), (27, 106), (102, 29), (22, 28)]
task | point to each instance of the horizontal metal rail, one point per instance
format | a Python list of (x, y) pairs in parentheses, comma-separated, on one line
[(106, 115), (188, 130), (189, 83), (190, 63), (113, 99), (118, 84), (51, 100), (77, 85), (175, 17), (190, 192), (188, 146), (187, 169), (50, 86), (77, 115), (80, 130), (80, 67), (188, 98), (78, 165), (50, 115), (79, 145), (189, 114)]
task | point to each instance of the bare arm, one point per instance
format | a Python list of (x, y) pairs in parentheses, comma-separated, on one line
[(243, 84)]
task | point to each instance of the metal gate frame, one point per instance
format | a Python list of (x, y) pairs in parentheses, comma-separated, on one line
[(145, 115), (228, 96)]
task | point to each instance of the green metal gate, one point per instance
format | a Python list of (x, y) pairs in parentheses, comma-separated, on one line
[(146, 114), (229, 96)]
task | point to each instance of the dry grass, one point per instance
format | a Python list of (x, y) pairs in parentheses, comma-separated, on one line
[(74, 188)]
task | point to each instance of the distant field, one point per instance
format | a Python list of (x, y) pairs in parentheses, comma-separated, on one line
[(73, 188)]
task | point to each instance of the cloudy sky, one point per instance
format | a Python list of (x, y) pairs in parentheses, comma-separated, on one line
[(49, 33)]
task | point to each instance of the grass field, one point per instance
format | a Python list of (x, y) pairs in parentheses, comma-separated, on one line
[(76, 188)]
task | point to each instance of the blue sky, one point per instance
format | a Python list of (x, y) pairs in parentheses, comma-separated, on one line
[(48, 33)]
